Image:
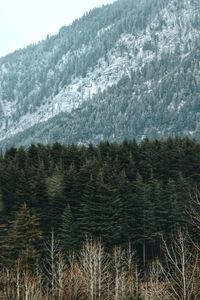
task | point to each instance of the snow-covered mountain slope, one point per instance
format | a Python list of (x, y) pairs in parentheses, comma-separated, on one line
[(130, 69)]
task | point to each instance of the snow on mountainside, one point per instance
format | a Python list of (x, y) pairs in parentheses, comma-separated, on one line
[(67, 71)]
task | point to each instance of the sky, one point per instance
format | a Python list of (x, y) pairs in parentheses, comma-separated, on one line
[(23, 22)]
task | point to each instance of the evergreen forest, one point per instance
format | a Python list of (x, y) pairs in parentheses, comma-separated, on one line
[(105, 200)]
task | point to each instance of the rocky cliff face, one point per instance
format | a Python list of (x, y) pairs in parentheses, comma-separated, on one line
[(126, 70)]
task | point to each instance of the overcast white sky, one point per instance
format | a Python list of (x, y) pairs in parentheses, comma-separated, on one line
[(23, 22)]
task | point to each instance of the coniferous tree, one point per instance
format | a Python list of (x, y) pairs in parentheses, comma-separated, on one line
[(39, 198), (154, 206), (22, 188), (144, 218), (56, 199), (66, 233), (21, 159), (33, 157), (101, 210), (183, 196), (70, 187), (24, 237), (88, 200), (128, 203), (169, 201), (8, 188), (4, 245)]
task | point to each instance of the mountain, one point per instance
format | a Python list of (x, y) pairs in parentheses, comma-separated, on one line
[(127, 70)]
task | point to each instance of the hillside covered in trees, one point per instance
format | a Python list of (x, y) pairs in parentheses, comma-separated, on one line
[(129, 69)]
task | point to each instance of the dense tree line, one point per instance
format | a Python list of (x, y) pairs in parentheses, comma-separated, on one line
[(117, 192)]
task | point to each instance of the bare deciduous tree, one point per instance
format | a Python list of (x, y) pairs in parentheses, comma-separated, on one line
[(194, 209), (19, 283), (126, 277), (155, 288), (94, 266), (181, 267), (53, 265), (75, 283)]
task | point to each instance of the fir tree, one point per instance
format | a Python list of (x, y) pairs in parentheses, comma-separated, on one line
[(66, 233), (24, 237), (39, 199), (56, 198), (4, 245)]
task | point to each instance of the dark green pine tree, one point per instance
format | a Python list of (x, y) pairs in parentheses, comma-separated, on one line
[(109, 217), (55, 153), (33, 157), (128, 202), (153, 192), (66, 233), (8, 188), (56, 199), (182, 196), (22, 189), (21, 159), (10, 154), (101, 211), (39, 200), (144, 229), (170, 206), (153, 198), (24, 238), (176, 197), (84, 220), (75, 183), (3, 235), (145, 162), (4, 245), (70, 188)]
